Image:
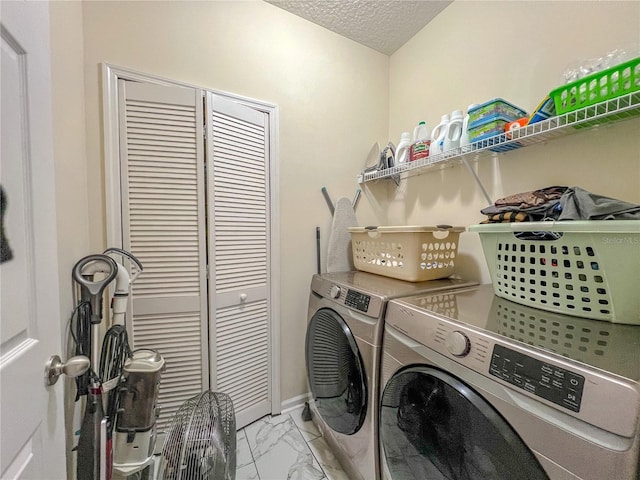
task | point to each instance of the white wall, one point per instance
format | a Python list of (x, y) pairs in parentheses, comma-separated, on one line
[(331, 92), (67, 76), (336, 99), (69, 142), (476, 51)]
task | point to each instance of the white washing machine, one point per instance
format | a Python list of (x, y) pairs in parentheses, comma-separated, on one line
[(343, 344), (477, 387)]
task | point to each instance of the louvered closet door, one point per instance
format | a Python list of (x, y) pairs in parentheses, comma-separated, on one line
[(239, 242), (163, 218)]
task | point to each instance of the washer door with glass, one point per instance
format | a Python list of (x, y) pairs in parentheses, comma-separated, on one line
[(336, 373), (433, 427)]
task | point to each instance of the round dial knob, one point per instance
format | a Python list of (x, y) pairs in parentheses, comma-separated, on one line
[(335, 291), (458, 344)]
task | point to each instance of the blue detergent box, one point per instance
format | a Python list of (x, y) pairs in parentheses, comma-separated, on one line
[(494, 108), (490, 127)]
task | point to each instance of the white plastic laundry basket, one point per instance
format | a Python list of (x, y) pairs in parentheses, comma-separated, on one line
[(591, 270), (413, 253)]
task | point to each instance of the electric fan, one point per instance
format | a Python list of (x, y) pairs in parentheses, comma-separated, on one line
[(201, 441)]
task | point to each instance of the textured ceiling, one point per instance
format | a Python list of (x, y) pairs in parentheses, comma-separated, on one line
[(384, 25)]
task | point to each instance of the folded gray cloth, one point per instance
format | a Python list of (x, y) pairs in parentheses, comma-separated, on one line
[(533, 206), (560, 203), (579, 204)]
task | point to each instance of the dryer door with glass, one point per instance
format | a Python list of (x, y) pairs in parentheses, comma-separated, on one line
[(336, 372), (434, 427)]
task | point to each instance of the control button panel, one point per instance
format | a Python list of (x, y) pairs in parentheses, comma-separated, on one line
[(550, 382), (357, 300), (457, 343)]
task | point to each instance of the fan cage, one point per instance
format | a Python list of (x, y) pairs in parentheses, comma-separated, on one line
[(201, 442)]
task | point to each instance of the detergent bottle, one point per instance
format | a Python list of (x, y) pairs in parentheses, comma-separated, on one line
[(421, 143), (404, 148), (438, 134), (454, 131), (464, 138)]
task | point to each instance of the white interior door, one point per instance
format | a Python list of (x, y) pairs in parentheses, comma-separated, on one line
[(163, 224), (239, 243), (32, 428)]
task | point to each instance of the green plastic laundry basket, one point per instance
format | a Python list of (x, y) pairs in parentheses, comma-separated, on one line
[(592, 270)]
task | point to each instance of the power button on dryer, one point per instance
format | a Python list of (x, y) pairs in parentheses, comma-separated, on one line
[(458, 344)]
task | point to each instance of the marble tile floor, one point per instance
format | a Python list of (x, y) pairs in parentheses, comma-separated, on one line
[(285, 447)]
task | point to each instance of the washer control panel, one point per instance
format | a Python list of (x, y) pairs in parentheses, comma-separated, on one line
[(357, 300), (547, 378), (550, 382)]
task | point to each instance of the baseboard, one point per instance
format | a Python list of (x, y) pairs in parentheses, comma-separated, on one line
[(294, 402)]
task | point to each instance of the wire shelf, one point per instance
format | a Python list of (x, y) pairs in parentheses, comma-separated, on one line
[(620, 108)]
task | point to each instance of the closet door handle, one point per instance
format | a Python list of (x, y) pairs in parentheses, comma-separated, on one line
[(243, 297)]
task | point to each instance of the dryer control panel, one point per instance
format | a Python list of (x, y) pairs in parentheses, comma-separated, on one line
[(550, 382), (357, 300)]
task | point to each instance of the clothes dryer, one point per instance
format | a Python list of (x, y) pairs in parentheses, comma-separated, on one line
[(477, 387), (343, 344)]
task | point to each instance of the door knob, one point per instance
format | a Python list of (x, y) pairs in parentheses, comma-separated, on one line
[(243, 297), (73, 367)]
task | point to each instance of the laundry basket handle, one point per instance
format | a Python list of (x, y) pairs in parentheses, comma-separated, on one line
[(372, 231)]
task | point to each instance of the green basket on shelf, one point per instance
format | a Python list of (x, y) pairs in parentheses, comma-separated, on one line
[(598, 87)]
